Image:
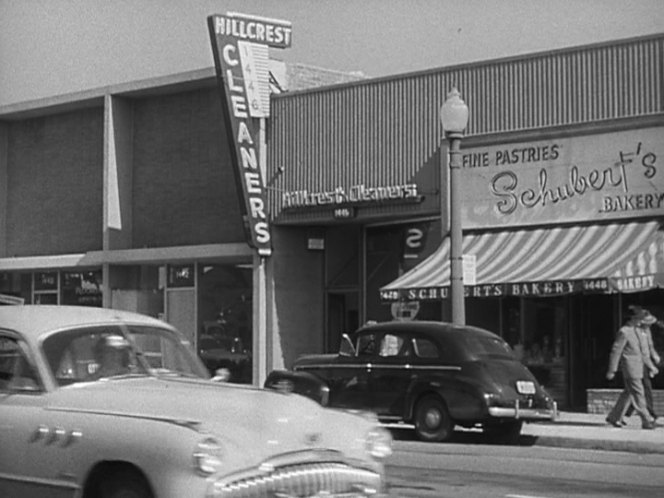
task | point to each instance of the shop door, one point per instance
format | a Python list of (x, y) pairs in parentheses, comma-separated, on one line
[(342, 317), (181, 311), (593, 331)]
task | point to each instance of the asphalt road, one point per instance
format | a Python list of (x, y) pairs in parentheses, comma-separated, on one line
[(472, 469)]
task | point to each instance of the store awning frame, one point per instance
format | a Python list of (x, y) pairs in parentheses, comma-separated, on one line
[(602, 258)]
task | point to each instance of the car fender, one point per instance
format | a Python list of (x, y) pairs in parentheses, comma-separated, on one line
[(161, 450), (461, 397), (303, 383)]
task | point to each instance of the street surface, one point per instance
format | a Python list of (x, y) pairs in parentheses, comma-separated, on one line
[(469, 468)]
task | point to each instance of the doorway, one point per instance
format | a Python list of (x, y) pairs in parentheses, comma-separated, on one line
[(343, 316)]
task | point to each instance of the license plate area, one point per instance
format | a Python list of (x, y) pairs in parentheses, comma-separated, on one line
[(525, 387)]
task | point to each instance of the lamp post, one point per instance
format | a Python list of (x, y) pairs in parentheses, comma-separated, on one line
[(454, 118)]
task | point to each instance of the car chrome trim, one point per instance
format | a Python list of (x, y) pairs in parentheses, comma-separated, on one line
[(191, 424), (65, 483), (315, 479), (522, 413), (374, 366)]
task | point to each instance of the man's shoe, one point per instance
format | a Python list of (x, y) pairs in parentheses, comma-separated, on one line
[(623, 423), (648, 425), (613, 422)]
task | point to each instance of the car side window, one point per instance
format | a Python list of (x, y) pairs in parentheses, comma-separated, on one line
[(16, 371), (424, 348), (367, 344)]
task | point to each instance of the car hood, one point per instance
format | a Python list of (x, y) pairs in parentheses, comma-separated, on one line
[(255, 422)]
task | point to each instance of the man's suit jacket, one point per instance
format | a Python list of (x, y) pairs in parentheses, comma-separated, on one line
[(626, 353)]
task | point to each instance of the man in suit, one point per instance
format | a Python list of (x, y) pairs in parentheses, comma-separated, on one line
[(630, 353), (654, 356)]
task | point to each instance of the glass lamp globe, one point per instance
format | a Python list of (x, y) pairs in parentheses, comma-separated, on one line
[(454, 113)]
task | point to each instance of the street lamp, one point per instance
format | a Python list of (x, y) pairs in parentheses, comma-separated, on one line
[(454, 118)]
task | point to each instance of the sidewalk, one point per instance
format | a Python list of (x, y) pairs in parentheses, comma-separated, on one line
[(590, 431)]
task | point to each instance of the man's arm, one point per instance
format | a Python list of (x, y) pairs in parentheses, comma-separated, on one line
[(653, 352), (616, 352)]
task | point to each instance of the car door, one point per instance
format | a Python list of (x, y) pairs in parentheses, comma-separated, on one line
[(347, 375), (389, 375), (30, 464)]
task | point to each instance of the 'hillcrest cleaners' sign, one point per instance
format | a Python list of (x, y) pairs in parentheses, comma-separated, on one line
[(240, 47)]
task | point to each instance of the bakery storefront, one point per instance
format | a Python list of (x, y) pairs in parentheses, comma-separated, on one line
[(560, 236)]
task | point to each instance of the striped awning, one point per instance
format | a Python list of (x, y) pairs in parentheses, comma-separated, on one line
[(618, 257)]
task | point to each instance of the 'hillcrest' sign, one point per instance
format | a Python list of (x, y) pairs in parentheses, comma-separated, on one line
[(240, 47)]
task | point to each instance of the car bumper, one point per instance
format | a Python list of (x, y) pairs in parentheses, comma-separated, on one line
[(519, 413), (316, 473)]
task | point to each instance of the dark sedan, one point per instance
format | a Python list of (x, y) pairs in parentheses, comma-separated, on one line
[(432, 375)]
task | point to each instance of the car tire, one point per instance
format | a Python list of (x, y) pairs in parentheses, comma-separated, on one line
[(124, 483), (505, 432), (432, 420)]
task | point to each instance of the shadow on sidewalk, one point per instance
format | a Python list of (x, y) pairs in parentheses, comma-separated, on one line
[(472, 437)]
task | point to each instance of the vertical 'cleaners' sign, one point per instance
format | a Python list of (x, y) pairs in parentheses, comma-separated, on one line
[(240, 47)]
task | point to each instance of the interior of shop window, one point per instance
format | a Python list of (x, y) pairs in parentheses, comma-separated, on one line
[(211, 304)]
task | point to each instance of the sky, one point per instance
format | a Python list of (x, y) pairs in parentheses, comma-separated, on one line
[(55, 47)]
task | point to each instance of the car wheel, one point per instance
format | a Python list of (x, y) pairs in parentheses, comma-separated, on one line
[(432, 420), (506, 432), (124, 483)]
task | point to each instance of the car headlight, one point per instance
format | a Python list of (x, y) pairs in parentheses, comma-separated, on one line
[(379, 443), (208, 456)]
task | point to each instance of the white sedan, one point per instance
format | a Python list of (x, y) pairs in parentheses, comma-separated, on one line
[(103, 403)]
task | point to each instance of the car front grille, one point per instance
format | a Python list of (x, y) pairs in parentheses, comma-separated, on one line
[(329, 479)]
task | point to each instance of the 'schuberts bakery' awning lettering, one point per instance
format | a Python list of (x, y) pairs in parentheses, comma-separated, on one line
[(354, 195), (256, 29), (634, 284), (526, 289)]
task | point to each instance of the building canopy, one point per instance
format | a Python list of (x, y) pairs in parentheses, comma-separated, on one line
[(607, 258)]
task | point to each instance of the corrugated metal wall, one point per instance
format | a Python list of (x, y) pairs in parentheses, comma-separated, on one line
[(381, 132)]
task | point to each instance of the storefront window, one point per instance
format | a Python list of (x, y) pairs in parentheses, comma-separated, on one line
[(16, 285), (81, 288), (45, 287), (225, 320), (542, 344)]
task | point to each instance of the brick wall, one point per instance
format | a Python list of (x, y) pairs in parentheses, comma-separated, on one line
[(602, 400), (55, 184), (184, 190)]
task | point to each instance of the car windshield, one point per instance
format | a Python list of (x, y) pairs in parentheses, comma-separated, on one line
[(103, 352), (488, 347)]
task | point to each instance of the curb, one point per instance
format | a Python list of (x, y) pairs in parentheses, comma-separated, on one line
[(598, 444)]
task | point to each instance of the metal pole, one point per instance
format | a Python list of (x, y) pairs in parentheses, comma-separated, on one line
[(456, 234)]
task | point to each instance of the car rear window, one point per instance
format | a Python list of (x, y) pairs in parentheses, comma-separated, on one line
[(483, 346)]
